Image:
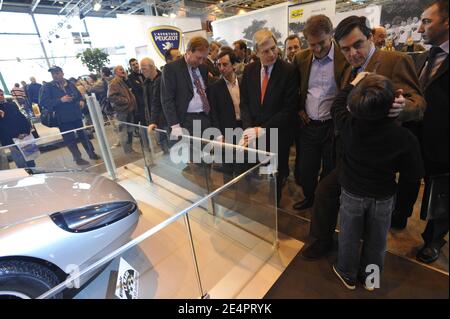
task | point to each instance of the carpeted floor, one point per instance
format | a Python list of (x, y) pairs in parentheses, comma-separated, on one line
[(401, 279)]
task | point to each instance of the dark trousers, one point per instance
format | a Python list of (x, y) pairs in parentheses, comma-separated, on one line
[(297, 142), (406, 197), (362, 218), (326, 207), (438, 223), (204, 121), (71, 138), (316, 152)]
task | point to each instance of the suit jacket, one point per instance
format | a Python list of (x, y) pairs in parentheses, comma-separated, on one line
[(435, 126), (223, 114), (280, 101), (212, 69), (303, 62), (177, 90), (399, 68)]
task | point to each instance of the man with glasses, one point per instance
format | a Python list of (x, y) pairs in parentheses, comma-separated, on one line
[(354, 38), (269, 98)]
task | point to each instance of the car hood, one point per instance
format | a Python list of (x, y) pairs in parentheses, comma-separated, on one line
[(24, 197)]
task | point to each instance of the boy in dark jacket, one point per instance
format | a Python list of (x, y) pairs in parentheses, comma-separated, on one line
[(375, 148)]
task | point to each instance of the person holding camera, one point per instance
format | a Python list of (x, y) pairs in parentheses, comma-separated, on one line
[(63, 98)]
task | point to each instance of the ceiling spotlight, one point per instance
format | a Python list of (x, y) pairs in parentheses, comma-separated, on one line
[(97, 5), (165, 15)]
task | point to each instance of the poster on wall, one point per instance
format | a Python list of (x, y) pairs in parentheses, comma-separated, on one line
[(244, 26), (165, 38), (401, 18), (372, 13), (298, 14)]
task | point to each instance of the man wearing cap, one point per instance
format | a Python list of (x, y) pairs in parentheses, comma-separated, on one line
[(63, 98)]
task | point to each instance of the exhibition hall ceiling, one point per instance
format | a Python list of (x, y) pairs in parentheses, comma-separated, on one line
[(109, 8)]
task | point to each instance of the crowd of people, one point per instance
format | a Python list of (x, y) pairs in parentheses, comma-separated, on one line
[(367, 124)]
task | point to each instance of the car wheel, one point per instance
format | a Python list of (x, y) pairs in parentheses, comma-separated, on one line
[(24, 280)]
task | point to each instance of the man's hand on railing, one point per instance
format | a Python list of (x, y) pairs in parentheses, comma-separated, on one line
[(152, 127)]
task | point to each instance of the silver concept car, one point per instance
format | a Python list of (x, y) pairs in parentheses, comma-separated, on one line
[(54, 223)]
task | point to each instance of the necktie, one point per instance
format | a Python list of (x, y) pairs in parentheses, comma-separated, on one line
[(200, 91), (354, 73), (264, 83), (424, 79)]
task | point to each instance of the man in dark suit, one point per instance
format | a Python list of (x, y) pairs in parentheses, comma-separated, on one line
[(354, 38), (269, 97), (224, 95), (432, 67), (224, 98), (183, 86), (211, 61), (321, 68), (135, 82)]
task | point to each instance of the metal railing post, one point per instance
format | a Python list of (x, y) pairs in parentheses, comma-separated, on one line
[(97, 121), (203, 294)]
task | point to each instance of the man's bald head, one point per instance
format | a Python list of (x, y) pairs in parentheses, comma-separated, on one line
[(148, 68), (379, 37), (120, 72)]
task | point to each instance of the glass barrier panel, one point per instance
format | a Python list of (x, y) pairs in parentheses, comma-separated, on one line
[(158, 267), (75, 149), (236, 238)]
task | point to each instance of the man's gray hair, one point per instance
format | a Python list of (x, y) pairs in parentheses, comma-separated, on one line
[(262, 36)]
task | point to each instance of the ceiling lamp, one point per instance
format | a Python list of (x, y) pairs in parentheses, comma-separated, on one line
[(97, 5)]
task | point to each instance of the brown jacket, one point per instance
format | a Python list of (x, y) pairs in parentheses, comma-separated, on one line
[(399, 68), (303, 62), (120, 96)]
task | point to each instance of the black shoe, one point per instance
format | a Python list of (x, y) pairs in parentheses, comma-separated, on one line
[(398, 222), (349, 283), (317, 249), (304, 204), (81, 161), (94, 157), (428, 254)]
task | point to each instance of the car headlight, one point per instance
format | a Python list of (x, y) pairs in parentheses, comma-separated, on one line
[(88, 218)]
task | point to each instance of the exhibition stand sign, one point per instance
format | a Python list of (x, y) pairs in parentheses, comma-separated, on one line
[(165, 38), (298, 14)]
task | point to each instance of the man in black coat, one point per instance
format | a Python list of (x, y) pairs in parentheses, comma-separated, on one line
[(432, 68), (269, 98), (13, 124), (136, 81), (63, 98), (224, 98), (183, 89)]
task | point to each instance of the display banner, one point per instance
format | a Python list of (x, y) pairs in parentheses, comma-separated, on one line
[(298, 14), (372, 13), (165, 38), (244, 26)]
